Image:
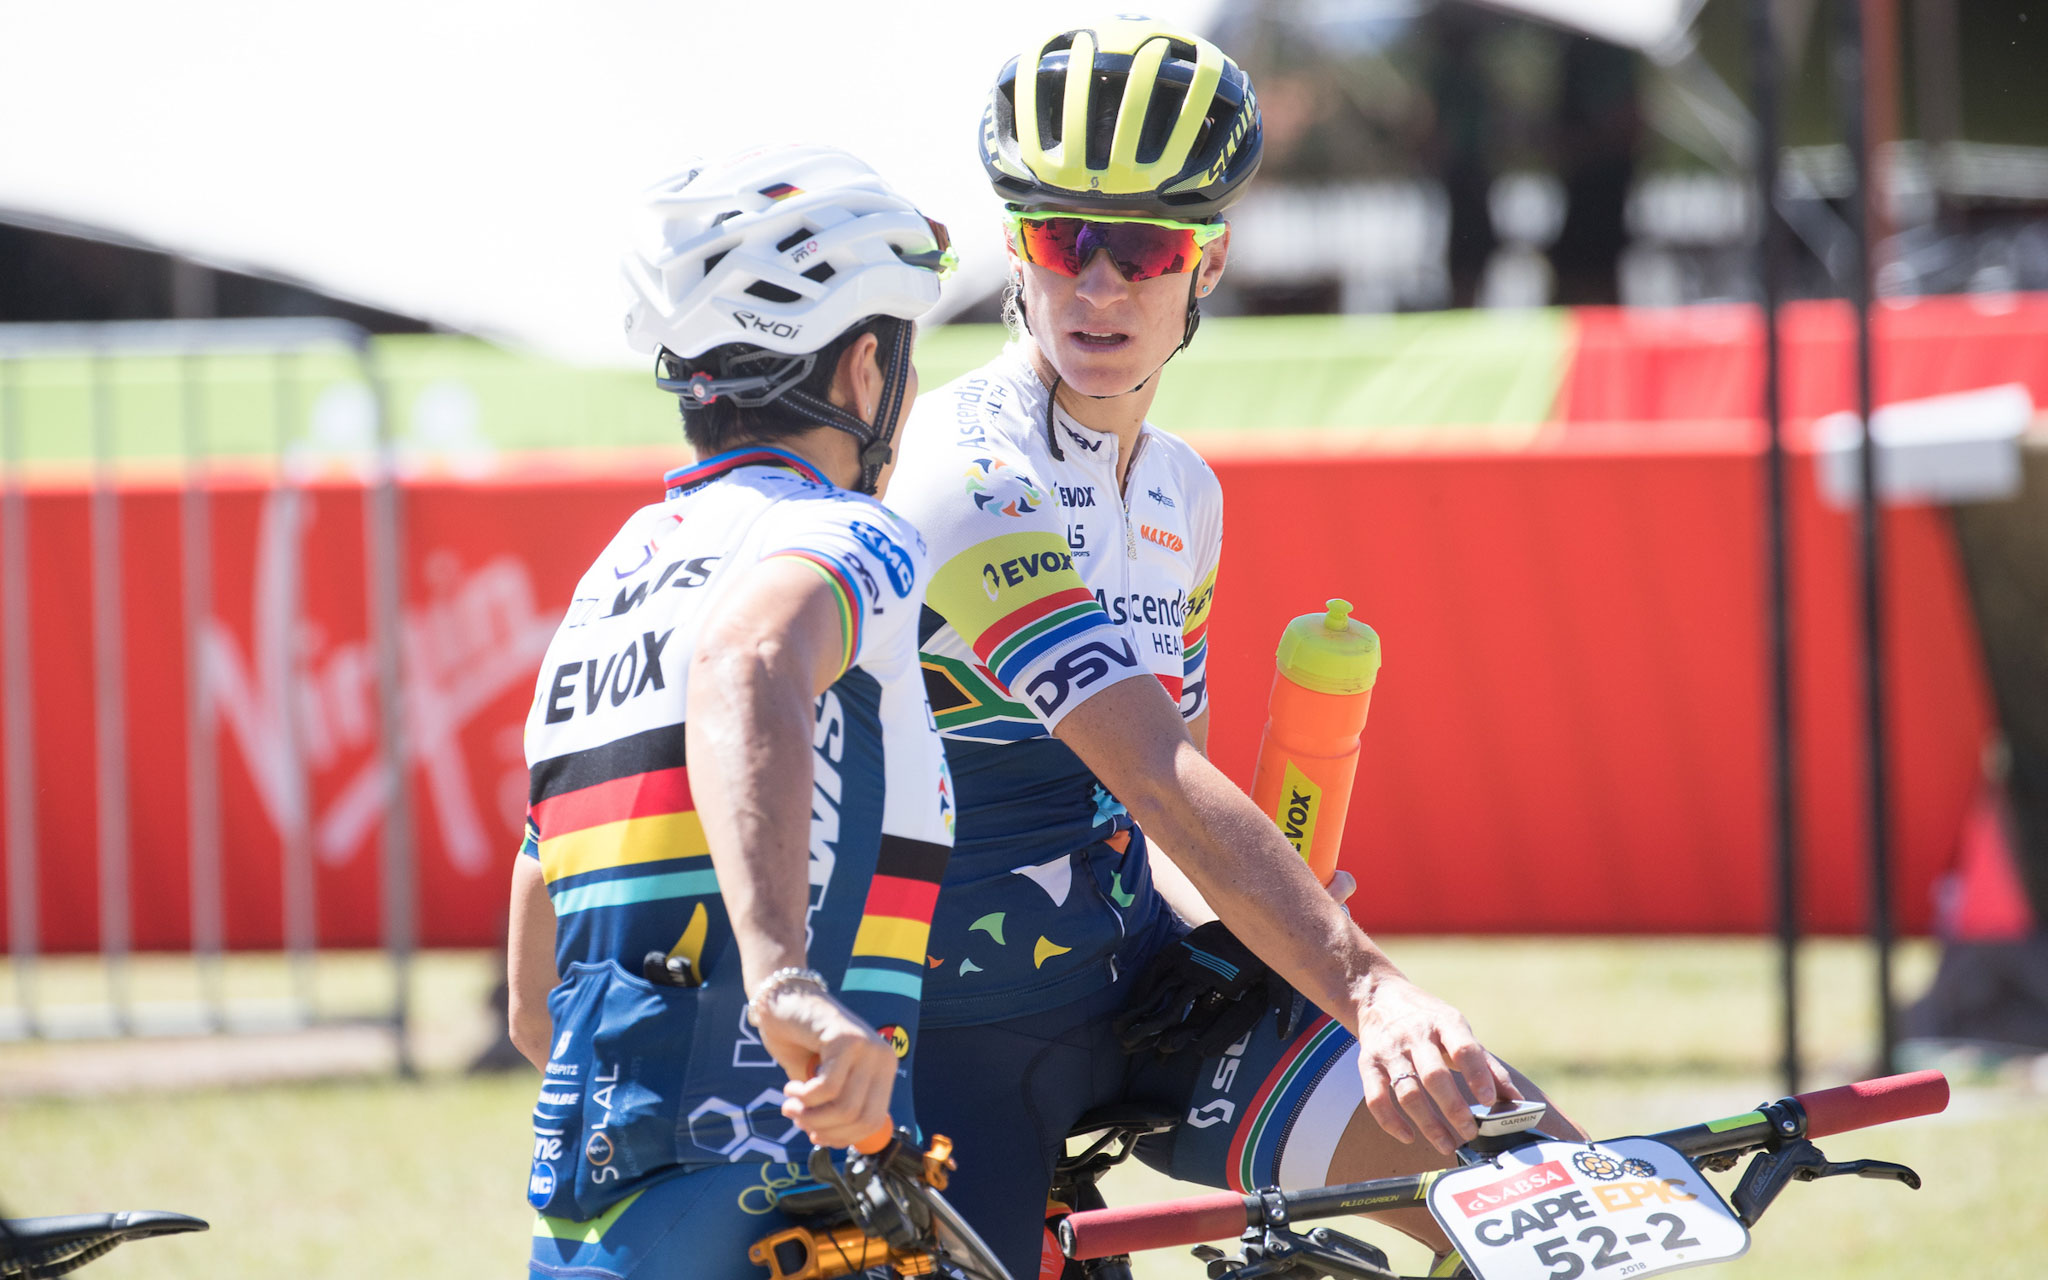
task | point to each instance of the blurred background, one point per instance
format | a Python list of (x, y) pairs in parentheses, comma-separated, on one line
[(313, 406)]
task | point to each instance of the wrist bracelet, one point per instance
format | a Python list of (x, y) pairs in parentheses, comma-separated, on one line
[(782, 978)]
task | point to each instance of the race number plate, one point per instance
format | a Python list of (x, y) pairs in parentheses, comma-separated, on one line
[(1564, 1210)]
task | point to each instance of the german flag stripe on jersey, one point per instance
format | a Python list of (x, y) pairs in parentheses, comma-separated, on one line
[(626, 833), (851, 610), (889, 948), (646, 752)]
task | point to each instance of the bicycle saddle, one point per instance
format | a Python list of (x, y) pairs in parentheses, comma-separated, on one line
[(57, 1245), (1125, 1115)]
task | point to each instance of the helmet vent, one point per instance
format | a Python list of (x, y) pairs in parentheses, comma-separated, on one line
[(821, 273), (793, 239), (1052, 98), (1169, 99), (1105, 98), (767, 292), (711, 262)]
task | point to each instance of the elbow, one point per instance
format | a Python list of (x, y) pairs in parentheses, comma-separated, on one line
[(531, 1030)]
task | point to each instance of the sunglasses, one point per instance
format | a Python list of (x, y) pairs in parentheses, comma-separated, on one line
[(1140, 248), (940, 258)]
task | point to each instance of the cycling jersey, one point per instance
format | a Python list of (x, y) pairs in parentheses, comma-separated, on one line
[(645, 1077), (1050, 584)]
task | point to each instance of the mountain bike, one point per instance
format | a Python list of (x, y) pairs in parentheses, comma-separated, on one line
[(38, 1248), (1518, 1206)]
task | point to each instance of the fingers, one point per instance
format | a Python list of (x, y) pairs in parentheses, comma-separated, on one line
[(847, 1098), (1341, 886), (1381, 1102), (1473, 1064), (1423, 1074)]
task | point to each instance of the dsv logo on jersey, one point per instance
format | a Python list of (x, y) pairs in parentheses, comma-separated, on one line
[(1082, 667)]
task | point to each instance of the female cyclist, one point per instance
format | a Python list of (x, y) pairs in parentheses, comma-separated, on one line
[(1075, 548), (739, 807)]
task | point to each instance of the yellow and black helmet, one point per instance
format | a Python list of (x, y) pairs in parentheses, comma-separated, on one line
[(1131, 117)]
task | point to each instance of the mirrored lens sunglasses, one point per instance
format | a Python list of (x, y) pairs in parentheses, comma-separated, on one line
[(1140, 248)]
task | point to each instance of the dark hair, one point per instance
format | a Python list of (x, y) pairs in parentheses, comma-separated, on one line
[(724, 423)]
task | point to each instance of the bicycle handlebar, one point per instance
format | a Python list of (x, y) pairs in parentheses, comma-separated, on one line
[(1101, 1233), (1873, 1102)]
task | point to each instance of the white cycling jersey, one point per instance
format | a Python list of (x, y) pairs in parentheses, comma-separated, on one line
[(644, 1076), (1049, 584)]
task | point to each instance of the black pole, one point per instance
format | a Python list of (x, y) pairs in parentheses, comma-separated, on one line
[(1770, 247), (1849, 84)]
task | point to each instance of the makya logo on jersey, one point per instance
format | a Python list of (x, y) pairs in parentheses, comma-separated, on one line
[(1001, 489), (895, 560), (1080, 668), (1164, 537)]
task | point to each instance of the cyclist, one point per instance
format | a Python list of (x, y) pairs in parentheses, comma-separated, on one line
[(1075, 548), (739, 807)]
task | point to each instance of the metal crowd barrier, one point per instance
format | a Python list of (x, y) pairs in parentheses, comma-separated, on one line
[(191, 344)]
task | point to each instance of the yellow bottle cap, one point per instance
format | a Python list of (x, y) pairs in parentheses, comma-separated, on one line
[(1330, 652)]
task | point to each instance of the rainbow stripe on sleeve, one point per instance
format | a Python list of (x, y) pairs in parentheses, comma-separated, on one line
[(851, 612), (1194, 646), (1014, 599)]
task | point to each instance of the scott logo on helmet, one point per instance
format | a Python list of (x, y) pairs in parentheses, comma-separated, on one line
[(762, 324)]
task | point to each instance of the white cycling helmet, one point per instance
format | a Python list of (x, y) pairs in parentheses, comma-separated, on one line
[(780, 251)]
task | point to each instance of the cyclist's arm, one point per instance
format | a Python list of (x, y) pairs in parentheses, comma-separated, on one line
[(1131, 736), (1167, 877), (766, 653), (530, 961)]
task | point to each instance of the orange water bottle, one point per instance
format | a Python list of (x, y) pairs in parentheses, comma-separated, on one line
[(1322, 688)]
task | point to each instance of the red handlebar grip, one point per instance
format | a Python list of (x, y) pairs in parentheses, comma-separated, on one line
[(1101, 1233), (1870, 1102)]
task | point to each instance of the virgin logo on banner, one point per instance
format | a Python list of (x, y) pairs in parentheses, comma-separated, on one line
[(477, 636), (286, 651)]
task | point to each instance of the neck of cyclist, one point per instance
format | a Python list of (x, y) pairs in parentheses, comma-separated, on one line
[(1120, 415), (835, 454)]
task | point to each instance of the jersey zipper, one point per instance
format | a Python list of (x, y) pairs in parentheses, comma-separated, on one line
[(1124, 500)]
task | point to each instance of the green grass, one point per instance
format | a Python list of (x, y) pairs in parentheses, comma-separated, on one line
[(460, 400), (367, 1175)]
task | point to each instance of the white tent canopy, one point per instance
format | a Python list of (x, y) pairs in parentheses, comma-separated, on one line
[(475, 164), (1654, 26)]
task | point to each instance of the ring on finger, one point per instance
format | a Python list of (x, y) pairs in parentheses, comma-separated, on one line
[(1405, 1075)]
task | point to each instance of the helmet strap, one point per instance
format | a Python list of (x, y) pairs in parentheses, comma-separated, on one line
[(875, 450)]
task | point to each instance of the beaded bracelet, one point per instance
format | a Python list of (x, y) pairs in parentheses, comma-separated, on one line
[(782, 978)]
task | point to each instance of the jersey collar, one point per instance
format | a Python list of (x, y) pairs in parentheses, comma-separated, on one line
[(683, 479)]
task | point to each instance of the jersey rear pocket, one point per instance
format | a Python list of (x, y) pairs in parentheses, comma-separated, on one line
[(608, 1111)]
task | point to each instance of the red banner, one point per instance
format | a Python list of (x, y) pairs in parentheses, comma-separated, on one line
[(1568, 734)]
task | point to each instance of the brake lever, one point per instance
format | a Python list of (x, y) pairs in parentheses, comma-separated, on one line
[(1772, 1171)]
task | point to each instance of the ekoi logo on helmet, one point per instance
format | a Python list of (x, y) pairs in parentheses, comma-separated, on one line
[(1000, 489)]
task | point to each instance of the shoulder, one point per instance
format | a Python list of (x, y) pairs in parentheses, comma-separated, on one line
[(971, 465), (993, 406), (1190, 477)]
